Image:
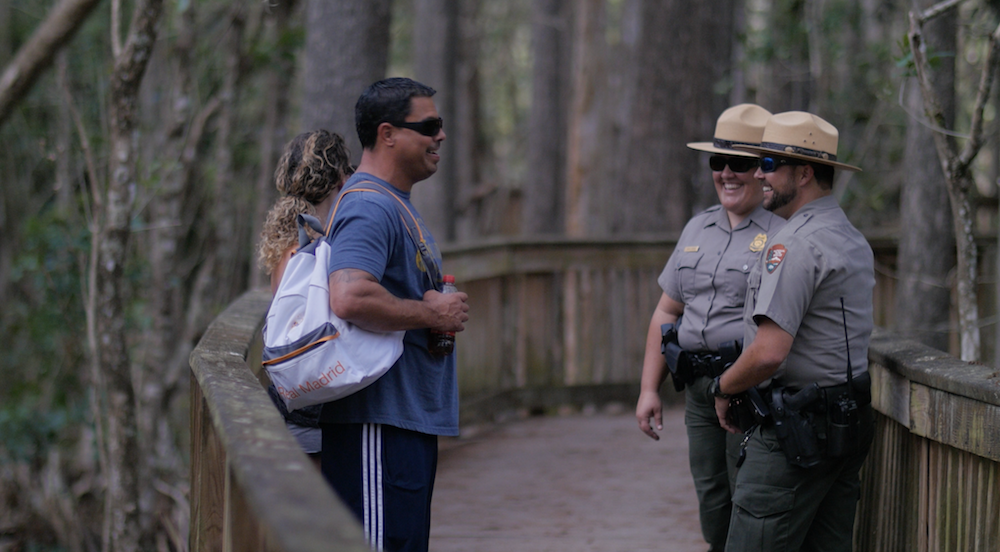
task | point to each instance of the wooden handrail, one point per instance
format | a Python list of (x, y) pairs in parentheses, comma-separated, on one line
[(252, 487), (562, 322), (932, 479)]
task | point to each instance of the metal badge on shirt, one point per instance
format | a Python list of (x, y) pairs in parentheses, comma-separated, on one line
[(758, 243)]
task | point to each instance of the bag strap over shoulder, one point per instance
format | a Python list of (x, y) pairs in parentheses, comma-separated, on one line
[(409, 222), (304, 221)]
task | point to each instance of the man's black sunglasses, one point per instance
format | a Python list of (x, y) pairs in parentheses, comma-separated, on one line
[(736, 164), (427, 127), (771, 164)]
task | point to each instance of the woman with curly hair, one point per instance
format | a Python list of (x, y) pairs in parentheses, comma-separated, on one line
[(310, 173)]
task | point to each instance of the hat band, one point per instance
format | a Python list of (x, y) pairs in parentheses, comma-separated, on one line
[(799, 151), (728, 144)]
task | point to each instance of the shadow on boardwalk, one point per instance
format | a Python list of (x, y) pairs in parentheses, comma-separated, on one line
[(580, 483)]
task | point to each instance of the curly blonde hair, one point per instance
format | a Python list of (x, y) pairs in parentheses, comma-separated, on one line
[(313, 165), (313, 161), (280, 233)]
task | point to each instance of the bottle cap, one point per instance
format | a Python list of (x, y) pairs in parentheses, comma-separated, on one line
[(449, 279)]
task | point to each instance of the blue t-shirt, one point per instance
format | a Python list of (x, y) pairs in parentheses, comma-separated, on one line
[(420, 391)]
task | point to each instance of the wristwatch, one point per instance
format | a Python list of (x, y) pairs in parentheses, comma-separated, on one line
[(715, 388)]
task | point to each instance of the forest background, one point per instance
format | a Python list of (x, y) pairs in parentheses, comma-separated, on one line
[(137, 166)]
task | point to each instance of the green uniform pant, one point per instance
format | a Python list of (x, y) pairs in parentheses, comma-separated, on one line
[(712, 453), (782, 508)]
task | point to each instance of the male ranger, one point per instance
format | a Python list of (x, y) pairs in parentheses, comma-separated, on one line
[(809, 321)]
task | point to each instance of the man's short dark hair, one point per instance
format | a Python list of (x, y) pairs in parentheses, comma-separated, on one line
[(824, 175), (385, 101)]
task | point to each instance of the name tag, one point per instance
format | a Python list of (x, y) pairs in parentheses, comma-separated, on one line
[(691, 249)]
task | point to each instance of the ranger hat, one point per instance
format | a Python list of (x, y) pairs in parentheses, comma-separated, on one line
[(740, 124), (800, 135)]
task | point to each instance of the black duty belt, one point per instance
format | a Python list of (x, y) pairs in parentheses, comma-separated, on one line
[(828, 395), (708, 364), (686, 366)]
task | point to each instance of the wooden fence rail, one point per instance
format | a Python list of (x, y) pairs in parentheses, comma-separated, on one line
[(932, 480), (563, 322), (252, 488)]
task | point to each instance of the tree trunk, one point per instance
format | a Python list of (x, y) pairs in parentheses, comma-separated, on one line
[(277, 73), (738, 93), (927, 250), (436, 60), (784, 82), (683, 52), (5, 230), (36, 55), (544, 208), (587, 123), (5, 32), (470, 150), (227, 205), (122, 440), (64, 140), (170, 88), (347, 48)]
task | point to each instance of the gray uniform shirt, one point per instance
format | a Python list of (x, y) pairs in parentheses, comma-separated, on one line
[(708, 273), (814, 261)]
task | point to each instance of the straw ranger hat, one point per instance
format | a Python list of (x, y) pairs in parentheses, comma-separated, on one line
[(741, 124), (800, 135)]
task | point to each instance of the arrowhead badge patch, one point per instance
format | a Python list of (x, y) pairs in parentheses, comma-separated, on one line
[(774, 257)]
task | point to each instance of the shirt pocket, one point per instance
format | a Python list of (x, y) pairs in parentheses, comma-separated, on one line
[(732, 278), (687, 275)]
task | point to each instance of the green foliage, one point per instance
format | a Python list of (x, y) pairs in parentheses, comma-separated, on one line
[(43, 315), (27, 432), (285, 47), (905, 61), (782, 37)]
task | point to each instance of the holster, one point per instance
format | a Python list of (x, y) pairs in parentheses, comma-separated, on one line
[(793, 425), (678, 363), (747, 409)]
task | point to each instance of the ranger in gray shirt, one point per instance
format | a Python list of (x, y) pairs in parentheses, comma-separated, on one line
[(705, 280), (809, 316)]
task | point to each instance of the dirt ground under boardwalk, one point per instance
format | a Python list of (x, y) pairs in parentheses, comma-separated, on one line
[(568, 483)]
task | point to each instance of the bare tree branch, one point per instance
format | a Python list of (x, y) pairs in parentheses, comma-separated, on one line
[(932, 106), (937, 9), (957, 174), (116, 28), (37, 54), (123, 482), (982, 97)]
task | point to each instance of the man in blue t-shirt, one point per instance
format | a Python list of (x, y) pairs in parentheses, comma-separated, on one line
[(380, 444)]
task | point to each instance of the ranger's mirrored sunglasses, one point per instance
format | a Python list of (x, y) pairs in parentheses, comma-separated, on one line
[(771, 164), (736, 164), (427, 127)]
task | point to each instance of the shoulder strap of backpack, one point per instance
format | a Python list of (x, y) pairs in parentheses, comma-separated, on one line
[(409, 222)]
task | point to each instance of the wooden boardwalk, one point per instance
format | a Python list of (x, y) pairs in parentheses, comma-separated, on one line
[(568, 483)]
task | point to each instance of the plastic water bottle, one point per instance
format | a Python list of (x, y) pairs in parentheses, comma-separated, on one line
[(443, 343)]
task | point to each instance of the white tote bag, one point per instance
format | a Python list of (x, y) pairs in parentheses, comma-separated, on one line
[(312, 356)]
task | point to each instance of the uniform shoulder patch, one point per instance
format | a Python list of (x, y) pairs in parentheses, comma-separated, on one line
[(775, 255)]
